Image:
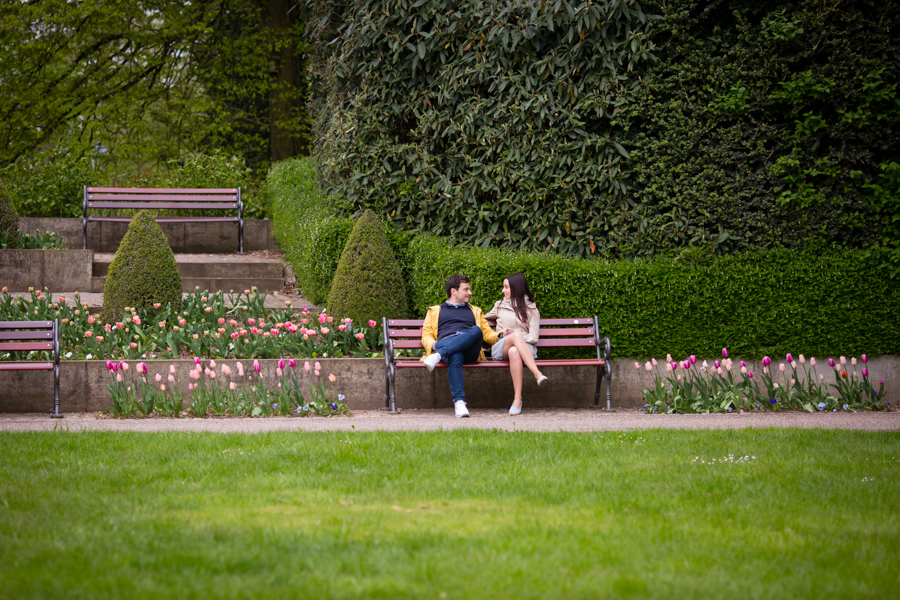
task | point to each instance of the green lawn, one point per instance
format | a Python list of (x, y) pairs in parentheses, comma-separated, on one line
[(462, 514)]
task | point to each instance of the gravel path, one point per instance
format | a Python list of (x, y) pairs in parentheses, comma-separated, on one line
[(429, 420)]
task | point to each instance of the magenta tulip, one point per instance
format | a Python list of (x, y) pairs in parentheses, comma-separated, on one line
[(766, 361), (724, 352), (864, 358), (789, 357), (292, 362), (743, 364), (831, 362), (750, 374), (865, 372), (693, 359), (281, 363), (674, 365), (717, 364)]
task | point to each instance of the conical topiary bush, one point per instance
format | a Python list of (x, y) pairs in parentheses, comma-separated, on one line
[(9, 220), (143, 271), (368, 283)]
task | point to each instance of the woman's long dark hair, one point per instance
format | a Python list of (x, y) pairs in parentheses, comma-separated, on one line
[(519, 293)]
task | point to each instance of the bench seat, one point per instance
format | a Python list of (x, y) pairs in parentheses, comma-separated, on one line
[(33, 336)]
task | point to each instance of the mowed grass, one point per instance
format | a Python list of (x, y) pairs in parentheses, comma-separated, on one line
[(461, 514)]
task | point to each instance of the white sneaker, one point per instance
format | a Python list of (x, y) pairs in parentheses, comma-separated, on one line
[(461, 410), (432, 360)]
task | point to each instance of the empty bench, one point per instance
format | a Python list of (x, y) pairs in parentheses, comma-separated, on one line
[(29, 336), (113, 198), (406, 334)]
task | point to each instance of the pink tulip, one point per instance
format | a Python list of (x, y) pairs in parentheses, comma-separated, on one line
[(653, 361), (802, 360), (142, 368), (372, 323), (325, 331), (360, 335), (750, 374), (744, 370), (317, 373), (240, 368), (648, 366), (212, 364), (853, 361), (109, 365), (292, 363), (669, 367), (717, 364), (332, 378), (865, 372), (278, 371), (256, 366), (251, 321), (221, 320), (843, 360), (812, 361), (830, 362), (226, 370), (212, 374), (725, 352), (864, 358), (133, 345), (674, 366), (881, 382), (781, 367), (158, 378), (693, 359), (322, 319), (171, 378), (123, 365), (743, 364), (686, 364), (196, 360), (342, 328), (668, 358), (637, 365), (789, 357), (306, 366), (88, 333), (231, 386), (720, 371), (317, 366), (281, 363)]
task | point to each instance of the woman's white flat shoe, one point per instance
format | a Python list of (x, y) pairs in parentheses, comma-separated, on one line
[(542, 379), (514, 411)]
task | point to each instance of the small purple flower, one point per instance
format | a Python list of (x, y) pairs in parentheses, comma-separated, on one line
[(729, 409), (773, 401), (846, 407), (821, 405), (333, 406), (274, 406)]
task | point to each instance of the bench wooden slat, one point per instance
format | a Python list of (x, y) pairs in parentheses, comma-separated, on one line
[(488, 364), (167, 206), (129, 190), (544, 333), (169, 219), (26, 325), (38, 334), (26, 366), (160, 198), (25, 346)]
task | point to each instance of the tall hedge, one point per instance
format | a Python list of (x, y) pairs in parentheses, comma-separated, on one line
[(764, 302), (767, 123), (9, 219), (368, 283), (143, 272), (492, 122)]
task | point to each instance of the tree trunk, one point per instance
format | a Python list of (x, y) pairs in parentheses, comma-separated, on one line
[(286, 96)]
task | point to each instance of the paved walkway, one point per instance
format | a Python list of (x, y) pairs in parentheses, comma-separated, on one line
[(430, 420)]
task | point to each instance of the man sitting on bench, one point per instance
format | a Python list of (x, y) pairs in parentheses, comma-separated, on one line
[(454, 332)]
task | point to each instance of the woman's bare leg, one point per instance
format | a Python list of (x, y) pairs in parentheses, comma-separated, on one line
[(515, 370), (525, 354)]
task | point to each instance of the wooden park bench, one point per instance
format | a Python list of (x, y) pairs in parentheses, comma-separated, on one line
[(406, 334), (118, 199), (28, 336)]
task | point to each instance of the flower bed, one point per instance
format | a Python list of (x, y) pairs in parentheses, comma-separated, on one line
[(686, 387), (207, 327), (220, 390)]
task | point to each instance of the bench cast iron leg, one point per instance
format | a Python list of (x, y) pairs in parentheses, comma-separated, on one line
[(56, 414)]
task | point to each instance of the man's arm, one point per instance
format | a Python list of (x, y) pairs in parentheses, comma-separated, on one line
[(430, 330), (490, 336)]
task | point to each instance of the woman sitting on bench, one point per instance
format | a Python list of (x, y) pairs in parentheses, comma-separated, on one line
[(518, 324)]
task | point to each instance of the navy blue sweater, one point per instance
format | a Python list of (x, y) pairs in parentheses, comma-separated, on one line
[(454, 319)]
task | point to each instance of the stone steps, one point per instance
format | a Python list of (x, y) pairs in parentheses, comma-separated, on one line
[(211, 272)]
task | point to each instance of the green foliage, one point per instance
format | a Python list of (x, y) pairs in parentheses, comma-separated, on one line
[(883, 197), (31, 241), (9, 219), (491, 122), (761, 123), (755, 303), (50, 184), (143, 271), (218, 170), (133, 85), (368, 283)]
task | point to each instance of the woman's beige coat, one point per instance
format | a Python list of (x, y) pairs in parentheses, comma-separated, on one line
[(507, 319)]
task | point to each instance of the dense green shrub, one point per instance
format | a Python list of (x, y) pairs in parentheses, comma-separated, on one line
[(9, 219), (492, 122), (368, 283), (50, 184), (311, 238), (757, 303), (143, 271), (764, 124)]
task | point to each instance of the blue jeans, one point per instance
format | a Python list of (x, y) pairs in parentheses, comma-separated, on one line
[(456, 350)]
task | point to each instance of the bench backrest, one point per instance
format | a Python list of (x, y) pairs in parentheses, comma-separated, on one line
[(162, 198), (27, 336), (406, 334)]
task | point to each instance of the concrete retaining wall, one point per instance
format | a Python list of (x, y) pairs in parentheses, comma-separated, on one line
[(184, 238), (59, 269), (82, 385)]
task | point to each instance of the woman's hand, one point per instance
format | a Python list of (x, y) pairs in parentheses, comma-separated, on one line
[(507, 333)]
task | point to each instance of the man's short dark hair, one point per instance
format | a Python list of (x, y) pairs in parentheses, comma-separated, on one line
[(455, 281)]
